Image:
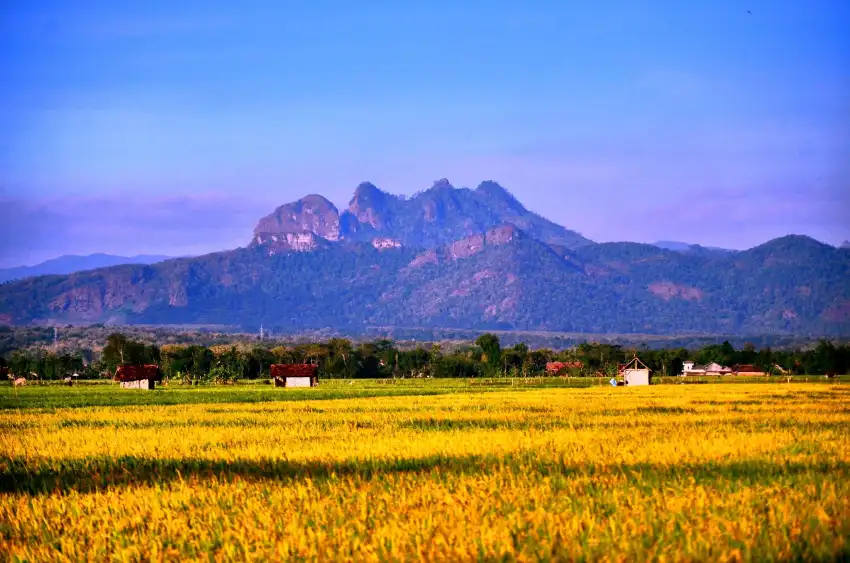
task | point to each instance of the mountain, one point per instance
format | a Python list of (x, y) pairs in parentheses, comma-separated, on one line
[(845, 244), (311, 214), (70, 263), (454, 258), (435, 217)]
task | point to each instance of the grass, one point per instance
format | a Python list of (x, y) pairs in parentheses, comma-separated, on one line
[(92, 394), (433, 470), (53, 395)]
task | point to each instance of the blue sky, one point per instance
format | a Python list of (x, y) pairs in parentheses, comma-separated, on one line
[(170, 128)]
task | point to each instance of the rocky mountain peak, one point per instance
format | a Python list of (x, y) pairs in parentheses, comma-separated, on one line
[(439, 215), (497, 196), (367, 192), (369, 205), (442, 184), (491, 188), (312, 213)]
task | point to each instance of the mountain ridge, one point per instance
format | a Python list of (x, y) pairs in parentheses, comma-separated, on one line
[(470, 265), (689, 247), (70, 263), (428, 219)]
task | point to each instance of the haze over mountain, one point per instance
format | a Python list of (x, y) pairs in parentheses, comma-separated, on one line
[(687, 247), (458, 258), (69, 264)]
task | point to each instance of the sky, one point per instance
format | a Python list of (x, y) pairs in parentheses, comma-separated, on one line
[(171, 127)]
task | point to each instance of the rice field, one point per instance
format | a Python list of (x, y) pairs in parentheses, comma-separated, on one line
[(427, 472)]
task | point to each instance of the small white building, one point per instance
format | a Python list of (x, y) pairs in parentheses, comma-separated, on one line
[(139, 384), (689, 368), (138, 377), (294, 375), (635, 373)]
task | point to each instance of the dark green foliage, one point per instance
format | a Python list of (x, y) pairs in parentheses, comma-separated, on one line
[(49, 366), (119, 350), (339, 358), (492, 353), (456, 365)]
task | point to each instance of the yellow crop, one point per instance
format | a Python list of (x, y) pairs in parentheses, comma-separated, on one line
[(702, 472)]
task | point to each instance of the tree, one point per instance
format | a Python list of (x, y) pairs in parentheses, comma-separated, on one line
[(492, 353), (675, 366), (454, 365), (223, 374), (202, 360), (368, 363), (340, 361), (120, 350), (434, 357), (176, 360), (748, 354), (727, 354), (413, 362)]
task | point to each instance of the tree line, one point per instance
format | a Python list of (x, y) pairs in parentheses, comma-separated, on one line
[(341, 358)]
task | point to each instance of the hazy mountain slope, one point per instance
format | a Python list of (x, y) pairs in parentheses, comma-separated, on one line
[(70, 263), (688, 247), (503, 279)]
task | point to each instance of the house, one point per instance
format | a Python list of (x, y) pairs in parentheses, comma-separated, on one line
[(138, 377), (295, 375), (747, 369), (717, 369), (554, 368), (690, 369), (635, 373)]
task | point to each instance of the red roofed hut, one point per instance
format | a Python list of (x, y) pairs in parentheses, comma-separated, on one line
[(138, 377), (747, 369), (295, 375)]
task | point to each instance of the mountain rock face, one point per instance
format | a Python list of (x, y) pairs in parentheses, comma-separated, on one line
[(435, 217), (311, 214), (304, 241), (370, 208), (463, 258)]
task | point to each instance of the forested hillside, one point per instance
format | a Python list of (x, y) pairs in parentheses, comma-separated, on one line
[(310, 271)]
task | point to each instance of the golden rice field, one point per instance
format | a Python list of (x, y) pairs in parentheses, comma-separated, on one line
[(668, 472)]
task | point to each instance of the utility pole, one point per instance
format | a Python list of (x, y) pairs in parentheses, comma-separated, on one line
[(261, 332)]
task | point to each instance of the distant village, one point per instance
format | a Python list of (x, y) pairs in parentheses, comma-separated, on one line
[(132, 362), (692, 369)]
